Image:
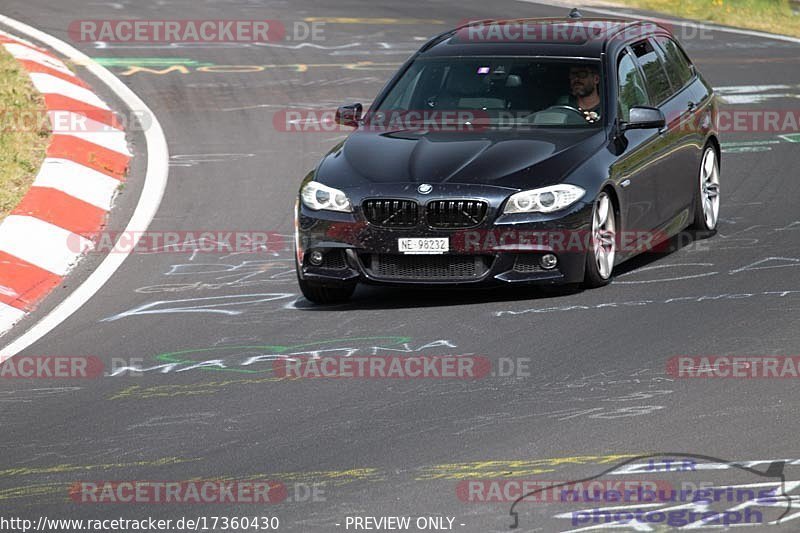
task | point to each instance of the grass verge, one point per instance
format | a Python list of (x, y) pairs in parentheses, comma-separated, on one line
[(773, 16), (24, 132)]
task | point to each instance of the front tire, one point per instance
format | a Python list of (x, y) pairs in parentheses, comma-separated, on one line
[(603, 249), (706, 203), (321, 294)]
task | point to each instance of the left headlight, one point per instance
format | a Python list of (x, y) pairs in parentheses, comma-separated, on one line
[(317, 196), (544, 200)]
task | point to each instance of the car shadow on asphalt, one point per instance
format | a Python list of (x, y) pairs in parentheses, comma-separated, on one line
[(662, 251), (370, 297)]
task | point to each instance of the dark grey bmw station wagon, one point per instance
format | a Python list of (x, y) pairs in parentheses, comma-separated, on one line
[(518, 151)]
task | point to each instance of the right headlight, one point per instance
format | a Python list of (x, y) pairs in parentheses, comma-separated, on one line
[(317, 196), (544, 200)]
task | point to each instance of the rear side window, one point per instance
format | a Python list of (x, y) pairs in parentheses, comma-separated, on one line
[(655, 76), (678, 67), (631, 87)]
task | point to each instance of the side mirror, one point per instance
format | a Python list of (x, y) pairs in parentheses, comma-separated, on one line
[(349, 115), (645, 118)]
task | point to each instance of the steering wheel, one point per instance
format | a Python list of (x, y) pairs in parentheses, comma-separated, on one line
[(574, 117), (567, 108)]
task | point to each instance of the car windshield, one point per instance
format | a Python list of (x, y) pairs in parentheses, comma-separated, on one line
[(497, 92)]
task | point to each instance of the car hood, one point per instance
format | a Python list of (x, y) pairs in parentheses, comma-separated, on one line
[(515, 159)]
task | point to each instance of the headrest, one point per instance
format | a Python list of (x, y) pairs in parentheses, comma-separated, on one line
[(464, 80)]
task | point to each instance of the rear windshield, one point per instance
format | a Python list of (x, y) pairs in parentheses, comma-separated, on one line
[(500, 91)]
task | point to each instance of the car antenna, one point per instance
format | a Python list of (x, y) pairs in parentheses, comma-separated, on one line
[(575, 14)]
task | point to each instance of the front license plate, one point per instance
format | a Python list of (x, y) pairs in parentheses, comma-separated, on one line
[(423, 246)]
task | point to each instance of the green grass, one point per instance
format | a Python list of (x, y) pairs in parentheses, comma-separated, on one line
[(774, 16), (24, 132)]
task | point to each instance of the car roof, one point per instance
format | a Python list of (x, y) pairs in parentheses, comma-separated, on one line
[(563, 37)]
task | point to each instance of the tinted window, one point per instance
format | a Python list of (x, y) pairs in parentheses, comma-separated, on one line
[(499, 91), (678, 68), (631, 87), (655, 76)]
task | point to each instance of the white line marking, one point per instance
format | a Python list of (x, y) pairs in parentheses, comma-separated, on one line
[(49, 84), (41, 243), (739, 99), (154, 184), (750, 89), (695, 24), (9, 316), (79, 181), (19, 39)]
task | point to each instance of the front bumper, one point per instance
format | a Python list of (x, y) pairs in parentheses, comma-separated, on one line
[(505, 249)]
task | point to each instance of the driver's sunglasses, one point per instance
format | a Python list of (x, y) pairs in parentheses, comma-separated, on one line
[(580, 74)]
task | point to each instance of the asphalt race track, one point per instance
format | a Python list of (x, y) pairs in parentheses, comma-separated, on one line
[(589, 386)]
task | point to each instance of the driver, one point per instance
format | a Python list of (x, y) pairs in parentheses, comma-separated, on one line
[(584, 82)]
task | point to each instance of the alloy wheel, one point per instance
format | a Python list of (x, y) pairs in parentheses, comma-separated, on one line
[(709, 188), (604, 235)]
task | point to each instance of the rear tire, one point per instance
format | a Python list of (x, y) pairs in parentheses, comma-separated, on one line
[(602, 252), (321, 294)]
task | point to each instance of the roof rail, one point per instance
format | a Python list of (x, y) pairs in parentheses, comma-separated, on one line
[(575, 14), (441, 36)]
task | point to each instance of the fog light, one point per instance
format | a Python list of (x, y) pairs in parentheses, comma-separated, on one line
[(315, 258), (549, 261)]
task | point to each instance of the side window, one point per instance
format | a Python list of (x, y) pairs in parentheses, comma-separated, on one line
[(631, 86), (678, 67), (655, 76)]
